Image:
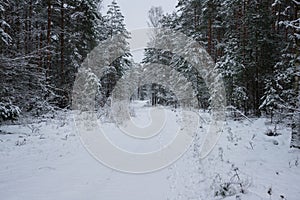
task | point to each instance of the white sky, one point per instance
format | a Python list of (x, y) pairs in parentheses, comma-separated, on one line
[(136, 11), (136, 17)]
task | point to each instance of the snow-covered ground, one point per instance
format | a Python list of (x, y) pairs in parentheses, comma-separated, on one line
[(47, 160)]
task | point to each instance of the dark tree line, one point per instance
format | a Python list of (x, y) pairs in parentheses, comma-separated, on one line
[(42, 45), (255, 45)]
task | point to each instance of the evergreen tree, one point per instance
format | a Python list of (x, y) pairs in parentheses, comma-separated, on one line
[(286, 70), (5, 38), (115, 27), (42, 49)]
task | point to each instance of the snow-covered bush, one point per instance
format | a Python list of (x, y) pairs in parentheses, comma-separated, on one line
[(9, 111), (235, 185)]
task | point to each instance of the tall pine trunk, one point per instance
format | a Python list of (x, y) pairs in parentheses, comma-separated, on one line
[(209, 46), (62, 41), (49, 37), (295, 140)]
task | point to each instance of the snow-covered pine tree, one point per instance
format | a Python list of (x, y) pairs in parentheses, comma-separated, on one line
[(211, 19), (79, 28), (5, 38), (287, 70), (231, 61), (23, 83), (190, 21), (49, 40), (115, 26)]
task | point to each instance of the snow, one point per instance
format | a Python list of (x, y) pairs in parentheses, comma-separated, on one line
[(46, 160), (296, 2), (8, 111)]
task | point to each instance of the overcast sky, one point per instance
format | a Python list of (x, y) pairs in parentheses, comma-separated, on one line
[(136, 11)]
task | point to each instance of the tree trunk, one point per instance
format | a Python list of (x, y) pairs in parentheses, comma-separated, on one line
[(295, 140), (30, 38), (209, 36), (49, 38), (62, 41)]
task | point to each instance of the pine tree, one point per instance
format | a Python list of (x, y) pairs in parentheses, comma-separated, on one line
[(286, 74), (231, 62), (5, 38), (115, 27), (47, 42)]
